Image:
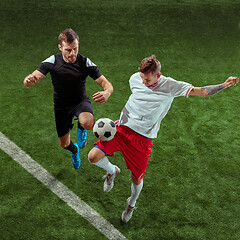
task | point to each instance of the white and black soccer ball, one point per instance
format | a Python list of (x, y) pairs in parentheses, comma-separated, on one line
[(104, 129)]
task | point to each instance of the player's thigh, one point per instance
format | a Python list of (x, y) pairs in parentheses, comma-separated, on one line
[(63, 121), (84, 112)]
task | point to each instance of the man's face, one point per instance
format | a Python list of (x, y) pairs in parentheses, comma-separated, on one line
[(69, 51), (149, 79)]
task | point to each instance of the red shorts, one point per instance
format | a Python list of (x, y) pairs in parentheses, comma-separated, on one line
[(135, 148)]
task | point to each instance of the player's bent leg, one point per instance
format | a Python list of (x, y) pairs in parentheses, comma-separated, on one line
[(86, 121), (98, 158), (136, 188), (66, 143)]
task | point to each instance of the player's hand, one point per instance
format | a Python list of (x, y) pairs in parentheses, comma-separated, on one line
[(101, 97), (117, 123), (30, 80), (231, 81)]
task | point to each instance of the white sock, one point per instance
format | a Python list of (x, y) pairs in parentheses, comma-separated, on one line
[(136, 189), (105, 164)]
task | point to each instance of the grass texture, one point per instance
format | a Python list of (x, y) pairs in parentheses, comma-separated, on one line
[(191, 188)]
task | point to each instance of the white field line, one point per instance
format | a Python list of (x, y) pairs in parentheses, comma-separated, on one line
[(59, 189)]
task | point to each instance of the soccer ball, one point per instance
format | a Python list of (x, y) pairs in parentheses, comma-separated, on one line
[(104, 129)]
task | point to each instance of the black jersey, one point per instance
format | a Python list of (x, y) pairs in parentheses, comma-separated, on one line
[(69, 79)]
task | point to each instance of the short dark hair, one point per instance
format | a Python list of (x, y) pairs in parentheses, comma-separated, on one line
[(68, 35), (150, 64)]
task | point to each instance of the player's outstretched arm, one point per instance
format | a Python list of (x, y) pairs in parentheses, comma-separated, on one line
[(213, 89), (31, 79), (103, 96)]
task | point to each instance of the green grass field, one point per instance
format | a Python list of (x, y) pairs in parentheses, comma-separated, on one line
[(191, 188)]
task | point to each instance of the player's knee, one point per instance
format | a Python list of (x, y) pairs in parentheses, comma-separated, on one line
[(91, 157), (95, 155), (87, 125), (139, 181), (86, 120), (135, 180)]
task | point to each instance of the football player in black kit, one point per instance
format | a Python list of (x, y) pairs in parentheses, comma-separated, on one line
[(69, 71)]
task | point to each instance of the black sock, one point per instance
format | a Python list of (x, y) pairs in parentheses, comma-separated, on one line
[(80, 127), (71, 147)]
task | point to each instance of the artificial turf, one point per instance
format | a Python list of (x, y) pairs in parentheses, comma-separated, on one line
[(191, 188)]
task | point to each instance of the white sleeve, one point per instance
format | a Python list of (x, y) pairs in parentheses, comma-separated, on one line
[(179, 88)]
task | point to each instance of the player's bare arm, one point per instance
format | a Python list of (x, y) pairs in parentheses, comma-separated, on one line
[(31, 79), (103, 96), (213, 89)]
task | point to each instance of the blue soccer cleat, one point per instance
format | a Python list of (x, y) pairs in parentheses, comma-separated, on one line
[(75, 158), (82, 138)]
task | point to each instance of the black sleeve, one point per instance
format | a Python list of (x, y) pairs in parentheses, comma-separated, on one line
[(92, 68), (45, 67), (94, 73)]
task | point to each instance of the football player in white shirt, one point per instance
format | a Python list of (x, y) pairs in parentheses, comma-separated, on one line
[(139, 123)]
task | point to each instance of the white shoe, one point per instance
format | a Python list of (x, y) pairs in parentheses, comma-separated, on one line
[(127, 214), (109, 180)]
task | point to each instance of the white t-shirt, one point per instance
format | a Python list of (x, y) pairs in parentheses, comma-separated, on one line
[(147, 106)]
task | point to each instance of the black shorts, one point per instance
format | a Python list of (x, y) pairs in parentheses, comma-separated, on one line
[(64, 115)]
